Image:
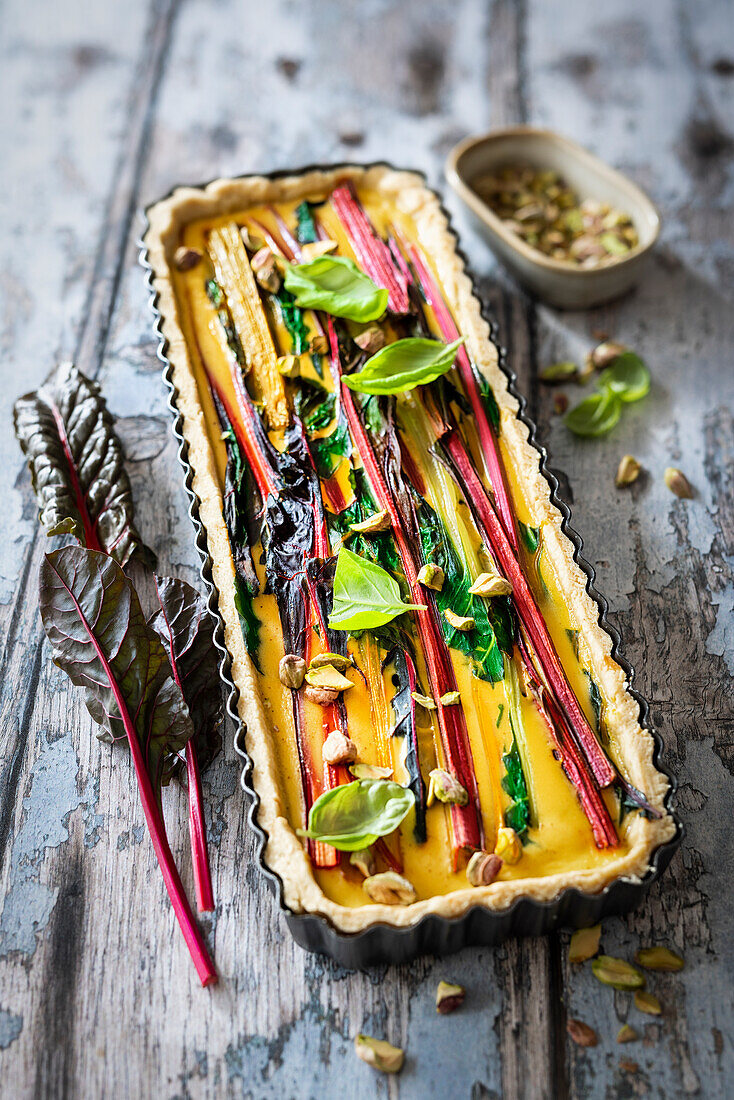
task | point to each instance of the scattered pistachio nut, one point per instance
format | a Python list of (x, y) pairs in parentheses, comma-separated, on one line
[(323, 697), (389, 888), (678, 483), (581, 1033), (338, 749), (265, 270), (370, 340), (450, 698), (370, 771), (364, 861), (185, 258), (555, 373), (628, 471), (319, 344), (659, 958), (617, 973), (431, 576), (647, 1002), (604, 354), (628, 1067), (508, 846), (424, 700), (483, 868), (446, 788), (338, 660), (449, 997), (627, 1034), (560, 403), (584, 944), (378, 521), (251, 241), (489, 585), (459, 622), (291, 671), (313, 249), (289, 365), (379, 1054), (326, 676)]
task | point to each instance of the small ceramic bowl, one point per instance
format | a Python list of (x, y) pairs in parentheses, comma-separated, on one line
[(554, 281)]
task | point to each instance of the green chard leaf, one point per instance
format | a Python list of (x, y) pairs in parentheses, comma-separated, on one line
[(530, 536), (517, 814), (354, 815), (365, 596), (628, 377), (403, 365), (337, 286), (305, 228), (249, 622), (595, 415), (314, 405), (77, 465)]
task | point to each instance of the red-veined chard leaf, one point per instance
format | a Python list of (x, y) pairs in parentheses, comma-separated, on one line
[(77, 465), (99, 637), (354, 815)]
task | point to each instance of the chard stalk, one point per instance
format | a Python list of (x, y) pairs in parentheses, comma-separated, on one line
[(371, 251)]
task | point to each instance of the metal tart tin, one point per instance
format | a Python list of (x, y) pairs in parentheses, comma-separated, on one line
[(435, 935)]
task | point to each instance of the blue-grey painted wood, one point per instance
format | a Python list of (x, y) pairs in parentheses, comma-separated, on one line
[(107, 106)]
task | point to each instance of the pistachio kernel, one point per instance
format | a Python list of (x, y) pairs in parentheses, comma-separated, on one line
[(370, 340), (338, 660), (678, 483), (627, 471), (647, 1002), (627, 1034), (323, 697), (449, 997), (584, 944), (617, 973), (291, 671), (370, 771), (251, 241), (450, 699), (560, 403), (424, 700), (319, 344), (628, 1067), (289, 365), (581, 1033), (508, 846), (389, 888), (265, 270), (338, 749), (185, 258), (459, 622), (431, 576), (489, 585), (659, 958), (379, 1054), (483, 868), (326, 676), (558, 372), (604, 354), (313, 249), (446, 788), (378, 521), (364, 861)]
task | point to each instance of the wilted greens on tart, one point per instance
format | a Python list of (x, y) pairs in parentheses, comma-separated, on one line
[(432, 709)]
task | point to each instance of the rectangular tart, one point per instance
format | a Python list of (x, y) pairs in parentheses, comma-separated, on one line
[(378, 522)]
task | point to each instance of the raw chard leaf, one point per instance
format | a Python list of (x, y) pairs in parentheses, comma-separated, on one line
[(365, 595), (99, 637), (77, 465), (354, 815), (337, 286), (403, 365)]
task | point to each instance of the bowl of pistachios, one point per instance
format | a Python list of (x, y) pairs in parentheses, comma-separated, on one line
[(573, 230)]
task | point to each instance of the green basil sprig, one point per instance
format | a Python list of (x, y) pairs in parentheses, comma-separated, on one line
[(337, 286), (403, 366), (625, 381), (354, 815), (365, 596)]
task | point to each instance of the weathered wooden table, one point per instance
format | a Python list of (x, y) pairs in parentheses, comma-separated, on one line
[(105, 106)]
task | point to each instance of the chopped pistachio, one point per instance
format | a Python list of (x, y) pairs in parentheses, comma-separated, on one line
[(617, 973), (265, 270), (508, 846), (370, 771), (628, 471), (338, 660), (364, 861), (424, 700), (584, 944), (450, 698), (319, 344), (323, 697), (491, 584), (338, 749), (678, 483), (289, 366), (446, 788), (313, 249), (379, 1054), (459, 622), (378, 521), (659, 958), (370, 340), (483, 868), (432, 576), (558, 372), (581, 1033), (560, 403), (186, 258), (291, 671), (627, 1034), (251, 241), (627, 1066), (604, 354), (449, 997), (647, 1002), (326, 676), (389, 888)]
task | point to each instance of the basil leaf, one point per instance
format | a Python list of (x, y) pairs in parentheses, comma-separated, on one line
[(403, 366), (628, 377), (354, 815), (336, 285), (595, 415), (365, 596)]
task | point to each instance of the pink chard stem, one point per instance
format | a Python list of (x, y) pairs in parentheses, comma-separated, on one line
[(197, 833)]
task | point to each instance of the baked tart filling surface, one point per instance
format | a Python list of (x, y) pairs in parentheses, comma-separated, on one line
[(432, 709)]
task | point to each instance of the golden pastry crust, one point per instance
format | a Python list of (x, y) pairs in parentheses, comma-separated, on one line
[(284, 852)]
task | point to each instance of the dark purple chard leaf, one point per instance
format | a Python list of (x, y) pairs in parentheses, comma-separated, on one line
[(77, 465), (99, 637), (403, 705)]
